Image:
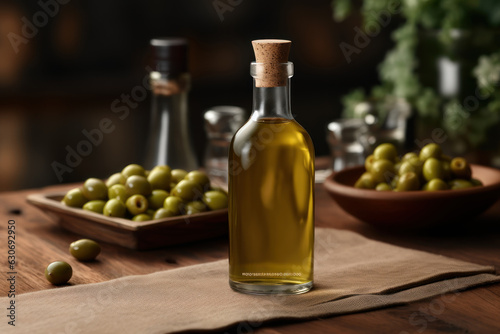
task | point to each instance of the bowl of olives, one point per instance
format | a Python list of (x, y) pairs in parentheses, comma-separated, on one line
[(141, 209), (418, 190)]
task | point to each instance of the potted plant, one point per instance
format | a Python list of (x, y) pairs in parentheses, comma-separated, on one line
[(446, 64)]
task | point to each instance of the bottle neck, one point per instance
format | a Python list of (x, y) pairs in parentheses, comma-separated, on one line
[(271, 93), (271, 102), (169, 140)]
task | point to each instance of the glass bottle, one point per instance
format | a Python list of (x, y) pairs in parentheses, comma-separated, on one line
[(169, 141), (271, 186), (221, 122)]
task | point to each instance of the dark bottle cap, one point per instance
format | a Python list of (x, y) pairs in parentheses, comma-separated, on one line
[(169, 55)]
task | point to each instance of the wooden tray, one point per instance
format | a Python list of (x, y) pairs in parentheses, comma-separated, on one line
[(127, 233)]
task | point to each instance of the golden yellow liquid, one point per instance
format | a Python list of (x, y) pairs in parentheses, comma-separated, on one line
[(271, 204)]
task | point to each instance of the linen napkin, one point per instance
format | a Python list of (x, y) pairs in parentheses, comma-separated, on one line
[(352, 274)]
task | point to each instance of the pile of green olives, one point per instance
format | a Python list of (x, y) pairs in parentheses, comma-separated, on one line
[(142, 195), (428, 170)]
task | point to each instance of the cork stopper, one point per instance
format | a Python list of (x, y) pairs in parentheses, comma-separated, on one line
[(270, 55)]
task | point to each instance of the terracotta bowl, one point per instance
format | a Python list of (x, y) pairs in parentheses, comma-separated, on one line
[(413, 209)]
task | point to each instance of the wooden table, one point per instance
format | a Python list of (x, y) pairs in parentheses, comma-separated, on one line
[(40, 241)]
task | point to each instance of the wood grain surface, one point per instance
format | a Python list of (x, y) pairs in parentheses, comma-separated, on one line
[(40, 241)]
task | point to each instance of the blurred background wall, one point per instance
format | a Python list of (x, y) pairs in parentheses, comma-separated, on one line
[(83, 55)]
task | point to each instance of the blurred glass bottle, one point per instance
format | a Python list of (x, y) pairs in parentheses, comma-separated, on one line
[(169, 140), (221, 122)]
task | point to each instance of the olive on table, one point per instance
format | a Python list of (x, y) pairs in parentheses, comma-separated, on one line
[(133, 169), (85, 249), (74, 198), (187, 190), (157, 198), (431, 150), (215, 200), (136, 204), (96, 206), (114, 208), (58, 272), (174, 204), (385, 151), (195, 207), (160, 177), (408, 182), (137, 184), (178, 175), (460, 168), (433, 169)]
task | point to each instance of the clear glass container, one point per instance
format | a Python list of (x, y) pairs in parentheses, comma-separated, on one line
[(271, 196), (169, 141), (221, 122)]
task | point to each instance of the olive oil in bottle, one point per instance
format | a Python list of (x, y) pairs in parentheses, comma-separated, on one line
[(271, 186)]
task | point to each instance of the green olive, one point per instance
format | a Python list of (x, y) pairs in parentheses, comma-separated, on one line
[(435, 185), (95, 189), (195, 207), (369, 162), (174, 204), (133, 169), (394, 182), (476, 182), (114, 208), (365, 181), (215, 200), (85, 249), (74, 198), (382, 170), (118, 191), (433, 169), (383, 187), (137, 184), (163, 213), (200, 178), (446, 169), (408, 181), (96, 206), (178, 175), (116, 178), (460, 168), (142, 217), (409, 155), (157, 198), (58, 272), (187, 190), (385, 151), (413, 164), (430, 151), (460, 184), (136, 204), (159, 177)]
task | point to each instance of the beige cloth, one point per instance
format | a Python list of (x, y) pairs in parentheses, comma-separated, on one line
[(352, 274)]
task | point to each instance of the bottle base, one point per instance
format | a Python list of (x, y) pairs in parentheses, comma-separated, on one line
[(265, 289)]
